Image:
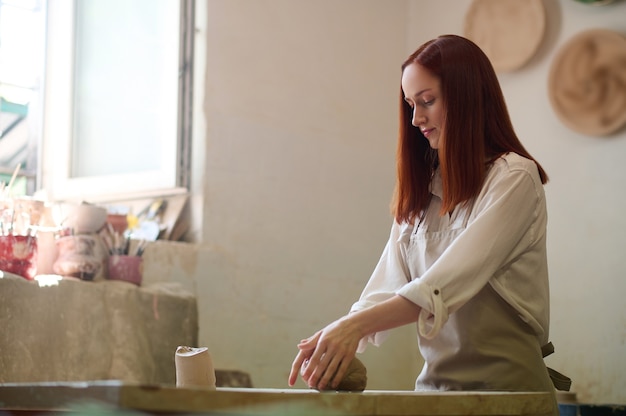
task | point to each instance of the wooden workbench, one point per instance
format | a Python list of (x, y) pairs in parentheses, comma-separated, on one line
[(25, 398)]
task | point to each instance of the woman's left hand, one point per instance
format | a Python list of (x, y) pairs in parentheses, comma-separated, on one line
[(326, 355)]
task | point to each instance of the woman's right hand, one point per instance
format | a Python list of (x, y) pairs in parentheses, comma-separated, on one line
[(302, 357), (327, 354)]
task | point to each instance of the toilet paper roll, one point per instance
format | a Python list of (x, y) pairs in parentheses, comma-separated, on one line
[(194, 367)]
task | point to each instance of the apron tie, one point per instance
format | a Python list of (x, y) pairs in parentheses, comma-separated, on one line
[(560, 381)]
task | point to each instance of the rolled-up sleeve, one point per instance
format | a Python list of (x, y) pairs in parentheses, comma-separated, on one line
[(389, 275)]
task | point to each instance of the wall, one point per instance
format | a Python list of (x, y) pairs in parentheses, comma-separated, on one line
[(300, 114), (301, 123)]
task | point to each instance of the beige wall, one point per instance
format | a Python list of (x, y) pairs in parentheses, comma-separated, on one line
[(297, 170)]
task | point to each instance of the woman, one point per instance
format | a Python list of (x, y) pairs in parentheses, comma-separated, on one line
[(466, 258)]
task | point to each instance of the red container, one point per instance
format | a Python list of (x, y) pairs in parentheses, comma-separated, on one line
[(126, 268), (18, 255)]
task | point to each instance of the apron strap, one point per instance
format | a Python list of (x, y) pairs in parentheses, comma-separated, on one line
[(547, 349), (560, 381)]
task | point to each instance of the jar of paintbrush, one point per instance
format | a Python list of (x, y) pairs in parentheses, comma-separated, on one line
[(19, 218), (125, 261)]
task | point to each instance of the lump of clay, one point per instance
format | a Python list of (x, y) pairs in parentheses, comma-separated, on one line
[(355, 378)]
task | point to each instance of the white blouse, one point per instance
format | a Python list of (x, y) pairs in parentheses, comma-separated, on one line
[(499, 239)]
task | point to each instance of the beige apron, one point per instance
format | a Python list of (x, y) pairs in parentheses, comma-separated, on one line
[(484, 345)]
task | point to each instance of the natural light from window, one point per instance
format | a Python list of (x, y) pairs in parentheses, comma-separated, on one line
[(22, 36)]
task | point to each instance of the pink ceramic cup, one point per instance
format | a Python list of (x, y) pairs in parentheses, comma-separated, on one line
[(125, 268)]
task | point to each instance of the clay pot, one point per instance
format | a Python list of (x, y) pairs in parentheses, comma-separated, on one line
[(78, 256)]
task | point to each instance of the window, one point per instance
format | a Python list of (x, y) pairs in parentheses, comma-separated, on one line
[(22, 35), (116, 98)]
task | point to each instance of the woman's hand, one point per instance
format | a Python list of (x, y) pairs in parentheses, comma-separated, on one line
[(326, 355)]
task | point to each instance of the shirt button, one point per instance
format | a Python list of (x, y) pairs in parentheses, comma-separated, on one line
[(436, 292)]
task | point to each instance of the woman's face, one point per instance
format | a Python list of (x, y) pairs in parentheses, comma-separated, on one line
[(422, 91)]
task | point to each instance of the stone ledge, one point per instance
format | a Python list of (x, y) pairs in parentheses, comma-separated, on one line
[(81, 331)]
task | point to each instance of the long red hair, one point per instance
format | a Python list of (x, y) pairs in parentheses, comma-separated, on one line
[(477, 129)]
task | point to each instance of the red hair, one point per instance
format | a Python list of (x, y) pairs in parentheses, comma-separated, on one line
[(477, 129)]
